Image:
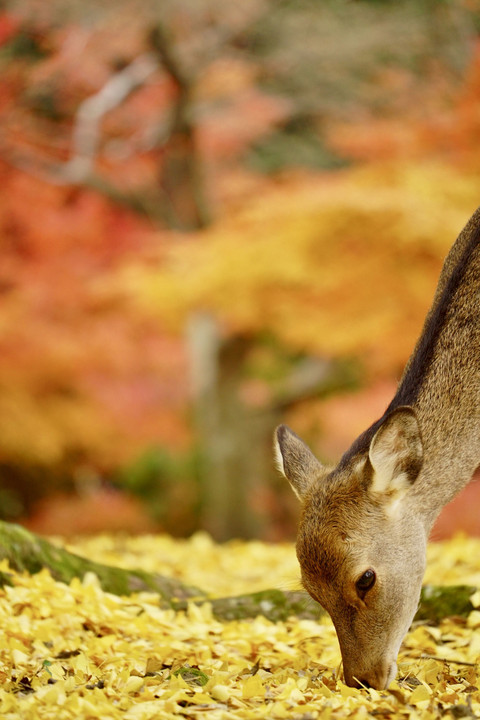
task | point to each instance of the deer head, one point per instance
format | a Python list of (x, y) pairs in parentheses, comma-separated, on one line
[(361, 541)]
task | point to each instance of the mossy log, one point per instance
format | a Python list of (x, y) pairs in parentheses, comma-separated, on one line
[(28, 552), (441, 601)]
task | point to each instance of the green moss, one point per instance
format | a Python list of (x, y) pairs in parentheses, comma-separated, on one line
[(275, 605), (30, 553), (437, 602)]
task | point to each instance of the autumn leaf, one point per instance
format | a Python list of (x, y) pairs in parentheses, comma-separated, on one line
[(85, 653)]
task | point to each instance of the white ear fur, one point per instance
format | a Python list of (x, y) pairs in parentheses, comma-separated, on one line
[(295, 460), (278, 457), (396, 453)]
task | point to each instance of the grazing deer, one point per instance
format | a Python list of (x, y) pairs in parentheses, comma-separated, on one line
[(364, 524)]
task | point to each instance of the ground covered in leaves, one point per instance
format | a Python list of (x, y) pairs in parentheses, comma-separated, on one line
[(78, 652)]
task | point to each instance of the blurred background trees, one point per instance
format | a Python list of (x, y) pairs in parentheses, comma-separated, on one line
[(215, 217)]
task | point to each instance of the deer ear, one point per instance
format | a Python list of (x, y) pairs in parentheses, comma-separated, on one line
[(296, 461), (396, 452)]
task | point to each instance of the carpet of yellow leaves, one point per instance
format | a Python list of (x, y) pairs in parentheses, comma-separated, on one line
[(78, 652)]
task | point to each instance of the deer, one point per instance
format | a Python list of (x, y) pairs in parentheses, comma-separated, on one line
[(364, 524)]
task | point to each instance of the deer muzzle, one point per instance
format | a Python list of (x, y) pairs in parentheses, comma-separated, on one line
[(378, 677)]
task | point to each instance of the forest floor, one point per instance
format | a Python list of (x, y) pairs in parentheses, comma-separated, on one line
[(75, 651)]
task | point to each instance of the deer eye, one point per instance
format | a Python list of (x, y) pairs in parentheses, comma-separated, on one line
[(365, 582)]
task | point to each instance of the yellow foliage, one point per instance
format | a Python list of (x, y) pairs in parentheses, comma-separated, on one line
[(41, 431), (76, 652), (344, 264)]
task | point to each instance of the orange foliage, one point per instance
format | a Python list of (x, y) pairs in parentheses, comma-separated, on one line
[(80, 372), (461, 514), (8, 27), (84, 374), (441, 122), (249, 115), (339, 265), (94, 511)]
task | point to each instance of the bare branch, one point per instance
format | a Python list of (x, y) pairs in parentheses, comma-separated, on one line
[(164, 48), (314, 378), (86, 131), (79, 169)]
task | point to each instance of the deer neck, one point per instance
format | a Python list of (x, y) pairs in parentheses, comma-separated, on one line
[(441, 382), (442, 379)]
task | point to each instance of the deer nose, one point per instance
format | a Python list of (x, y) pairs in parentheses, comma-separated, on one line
[(378, 678), (363, 682)]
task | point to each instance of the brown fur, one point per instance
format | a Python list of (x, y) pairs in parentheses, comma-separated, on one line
[(375, 509)]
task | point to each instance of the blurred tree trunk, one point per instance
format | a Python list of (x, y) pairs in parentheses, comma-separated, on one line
[(223, 432), (236, 438), (181, 177), (226, 438)]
